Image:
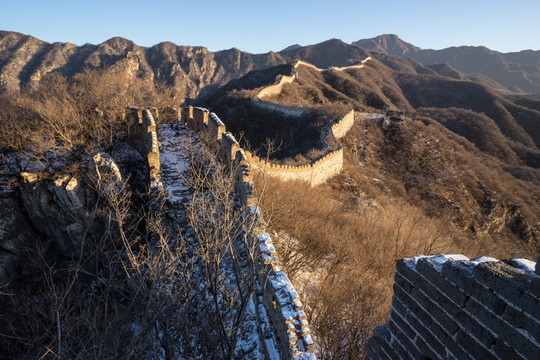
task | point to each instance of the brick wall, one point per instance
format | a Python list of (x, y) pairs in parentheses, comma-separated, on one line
[(450, 307)]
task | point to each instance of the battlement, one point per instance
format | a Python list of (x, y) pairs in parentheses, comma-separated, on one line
[(280, 300), (319, 170), (449, 306)]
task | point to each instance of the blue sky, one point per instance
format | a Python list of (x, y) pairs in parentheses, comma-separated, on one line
[(259, 26)]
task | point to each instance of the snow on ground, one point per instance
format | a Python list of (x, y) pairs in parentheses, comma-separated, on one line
[(176, 141)]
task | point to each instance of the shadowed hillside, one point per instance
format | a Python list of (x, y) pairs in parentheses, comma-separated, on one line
[(501, 127)]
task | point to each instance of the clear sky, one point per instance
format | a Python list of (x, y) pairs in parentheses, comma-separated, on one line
[(259, 26)]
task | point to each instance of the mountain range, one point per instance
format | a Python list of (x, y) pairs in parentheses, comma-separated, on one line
[(518, 71), (24, 60), (478, 84)]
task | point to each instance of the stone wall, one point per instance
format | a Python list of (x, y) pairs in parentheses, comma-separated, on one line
[(281, 80), (343, 125), (143, 137), (318, 171), (451, 307), (280, 299), (314, 173), (278, 85)]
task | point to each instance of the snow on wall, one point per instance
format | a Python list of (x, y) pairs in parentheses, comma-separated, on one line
[(280, 299), (448, 306)]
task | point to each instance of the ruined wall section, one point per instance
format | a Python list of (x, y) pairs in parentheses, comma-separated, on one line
[(142, 132), (450, 307), (279, 298)]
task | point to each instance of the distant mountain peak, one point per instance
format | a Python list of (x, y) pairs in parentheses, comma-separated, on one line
[(291, 47), (389, 44)]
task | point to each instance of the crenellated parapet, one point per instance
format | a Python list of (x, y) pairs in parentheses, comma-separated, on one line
[(317, 171), (451, 307), (280, 300), (282, 303)]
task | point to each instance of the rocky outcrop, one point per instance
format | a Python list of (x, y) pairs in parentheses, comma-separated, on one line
[(58, 208), (63, 208), (24, 60), (16, 234), (501, 216)]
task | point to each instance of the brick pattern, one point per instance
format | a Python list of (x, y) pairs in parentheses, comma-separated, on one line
[(451, 307)]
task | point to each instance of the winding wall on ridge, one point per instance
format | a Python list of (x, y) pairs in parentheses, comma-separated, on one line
[(316, 172), (319, 170), (281, 80)]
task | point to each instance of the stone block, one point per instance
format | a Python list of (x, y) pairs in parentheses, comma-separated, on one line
[(380, 344), (505, 331), (519, 320), (436, 307), (398, 348), (398, 322), (509, 283), (411, 275), (425, 350), (405, 342), (459, 274), (403, 283), (473, 347), (436, 278), (503, 351), (397, 306), (502, 278)]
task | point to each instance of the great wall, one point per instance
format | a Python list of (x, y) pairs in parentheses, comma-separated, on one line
[(281, 80), (450, 307), (443, 307), (280, 300)]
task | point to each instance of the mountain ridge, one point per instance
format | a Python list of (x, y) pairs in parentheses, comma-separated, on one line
[(24, 60), (517, 71)]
